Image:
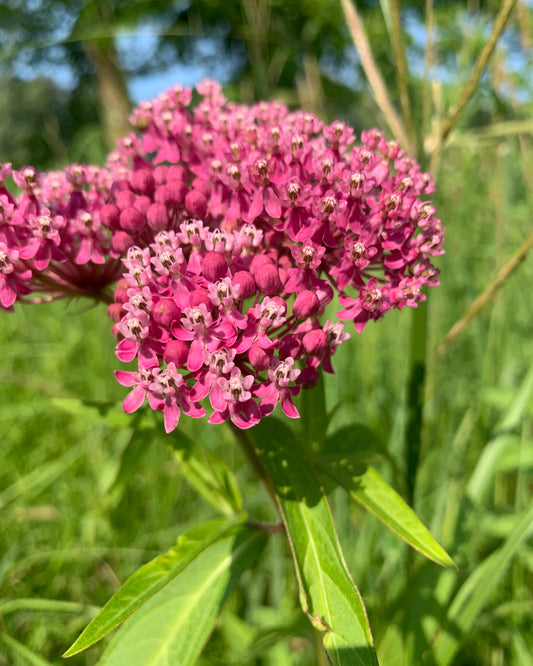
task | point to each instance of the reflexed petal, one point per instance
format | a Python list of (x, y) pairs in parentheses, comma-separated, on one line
[(126, 378), (134, 399), (172, 415)]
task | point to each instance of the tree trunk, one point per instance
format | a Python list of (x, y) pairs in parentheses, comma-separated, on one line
[(115, 105)]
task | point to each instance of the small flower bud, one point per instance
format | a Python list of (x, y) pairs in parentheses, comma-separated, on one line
[(314, 341), (157, 216), (174, 191), (306, 304), (259, 358), (160, 174), (214, 266), (196, 204), (177, 172), (143, 182), (119, 186), (109, 216), (244, 283), (120, 242), (120, 295), (199, 296), (125, 199), (165, 312), (114, 312), (203, 185), (268, 280), (142, 203), (132, 220), (258, 261), (177, 352)]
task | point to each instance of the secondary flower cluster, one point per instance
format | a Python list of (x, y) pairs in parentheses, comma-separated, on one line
[(53, 241), (236, 226)]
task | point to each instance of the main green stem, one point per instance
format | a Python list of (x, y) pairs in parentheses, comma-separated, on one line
[(249, 451)]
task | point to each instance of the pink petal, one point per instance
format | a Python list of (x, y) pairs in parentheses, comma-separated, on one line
[(134, 399), (256, 208), (84, 253), (147, 356), (272, 205), (172, 416), (42, 257), (287, 405), (219, 417), (216, 397), (245, 414), (125, 378), (126, 351), (7, 296), (196, 356)]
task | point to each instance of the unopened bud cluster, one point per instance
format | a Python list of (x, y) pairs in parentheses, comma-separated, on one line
[(233, 227)]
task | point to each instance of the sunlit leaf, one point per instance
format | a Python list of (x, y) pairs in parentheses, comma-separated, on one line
[(150, 578), (173, 626), (374, 493), (327, 592)]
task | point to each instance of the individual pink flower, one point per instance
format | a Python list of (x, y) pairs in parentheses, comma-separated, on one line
[(173, 396), (237, 402), (280, 375)]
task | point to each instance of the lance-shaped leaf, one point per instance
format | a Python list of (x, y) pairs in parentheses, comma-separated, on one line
[(327, 592), (208, 475), (367, 487), (150, 578), (173, 626)]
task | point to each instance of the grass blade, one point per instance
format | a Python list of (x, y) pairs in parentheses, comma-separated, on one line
[(476, 591)]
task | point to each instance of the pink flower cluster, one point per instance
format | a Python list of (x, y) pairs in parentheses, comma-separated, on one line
[(53, 241), (236, 226)]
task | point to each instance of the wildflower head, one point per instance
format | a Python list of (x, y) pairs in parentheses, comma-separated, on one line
[(232, 228)]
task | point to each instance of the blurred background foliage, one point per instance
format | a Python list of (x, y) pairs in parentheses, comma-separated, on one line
[(78, 515), (84, 63)]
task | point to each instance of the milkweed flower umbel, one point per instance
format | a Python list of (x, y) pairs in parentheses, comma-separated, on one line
[(232, 228)]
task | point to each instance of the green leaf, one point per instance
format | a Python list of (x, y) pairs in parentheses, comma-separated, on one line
[(150, 578), (476, 591), (208, 475), (354, 437), (375, 494), (172, 627), (327, 592)]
